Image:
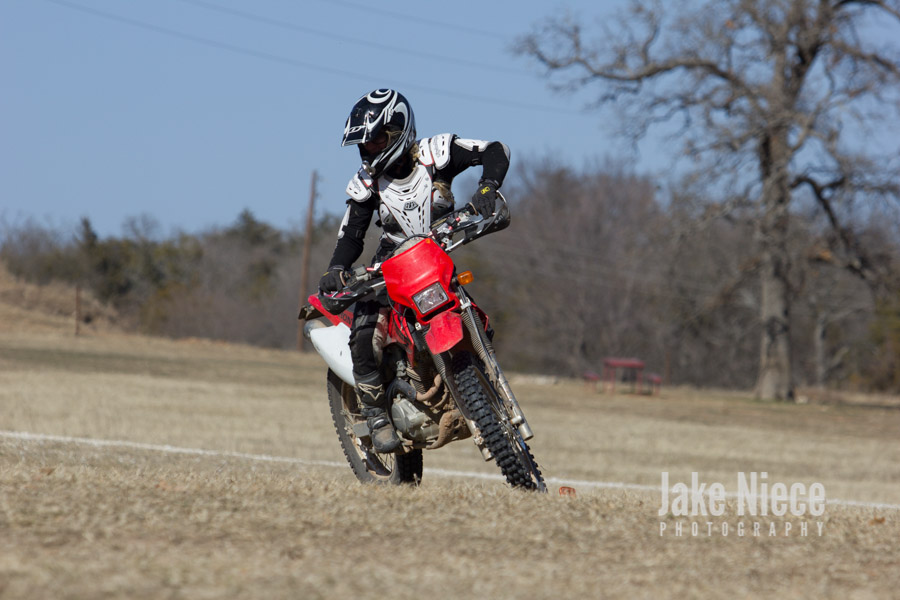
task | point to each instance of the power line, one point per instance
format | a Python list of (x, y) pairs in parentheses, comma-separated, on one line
[(368, 44), (204, 41), (369, 11), (292, 62)]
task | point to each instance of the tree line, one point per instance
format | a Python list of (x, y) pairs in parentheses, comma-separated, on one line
[(236, 283), (597, 262)]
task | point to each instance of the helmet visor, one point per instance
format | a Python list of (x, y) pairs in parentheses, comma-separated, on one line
[(362, 126)]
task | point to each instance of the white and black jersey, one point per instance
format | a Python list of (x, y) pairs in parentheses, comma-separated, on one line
[(409, 200)]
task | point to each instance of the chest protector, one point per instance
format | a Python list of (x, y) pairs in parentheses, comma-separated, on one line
[(408, 206)]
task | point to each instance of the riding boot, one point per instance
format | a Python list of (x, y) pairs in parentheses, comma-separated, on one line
[(370, 391)]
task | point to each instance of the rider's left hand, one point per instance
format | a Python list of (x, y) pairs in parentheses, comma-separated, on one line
[(485, 198)]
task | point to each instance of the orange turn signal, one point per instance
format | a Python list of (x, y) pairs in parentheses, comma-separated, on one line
[(465, 278)]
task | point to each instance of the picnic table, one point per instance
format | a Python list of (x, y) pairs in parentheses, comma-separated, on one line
[(632, 371)]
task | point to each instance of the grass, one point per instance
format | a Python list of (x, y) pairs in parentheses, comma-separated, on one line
[(78, 521)]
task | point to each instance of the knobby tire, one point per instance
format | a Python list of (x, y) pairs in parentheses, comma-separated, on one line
[(510, 451)]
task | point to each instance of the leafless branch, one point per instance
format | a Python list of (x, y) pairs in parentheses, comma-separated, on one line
[(859, 263)]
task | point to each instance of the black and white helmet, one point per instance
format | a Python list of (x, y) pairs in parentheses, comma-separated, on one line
[(383, 125)]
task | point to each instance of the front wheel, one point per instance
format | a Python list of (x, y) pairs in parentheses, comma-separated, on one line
[(502, 438), (368, 466)]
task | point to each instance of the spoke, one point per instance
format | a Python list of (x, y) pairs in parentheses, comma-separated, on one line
[(379, 465)]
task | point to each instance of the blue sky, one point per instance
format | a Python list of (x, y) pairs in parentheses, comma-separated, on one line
[(192, 110)]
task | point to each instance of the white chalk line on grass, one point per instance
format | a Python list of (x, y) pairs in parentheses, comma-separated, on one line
[(100, 443)]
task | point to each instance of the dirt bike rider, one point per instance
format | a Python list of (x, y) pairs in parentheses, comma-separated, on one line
[(407, 182)]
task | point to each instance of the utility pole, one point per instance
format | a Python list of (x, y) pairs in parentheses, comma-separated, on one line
[(78, 309), (304, 269)]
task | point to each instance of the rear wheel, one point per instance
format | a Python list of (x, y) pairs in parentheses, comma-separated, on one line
[(502, 438), (368, 466)]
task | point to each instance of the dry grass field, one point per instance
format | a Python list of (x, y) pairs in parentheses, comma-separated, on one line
[(269, 510)]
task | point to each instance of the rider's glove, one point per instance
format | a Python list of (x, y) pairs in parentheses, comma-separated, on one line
[(332, 280), (485, 198)]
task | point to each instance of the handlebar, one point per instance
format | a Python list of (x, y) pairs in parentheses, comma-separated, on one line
[(363, 280), (473, 224), (360, 282)]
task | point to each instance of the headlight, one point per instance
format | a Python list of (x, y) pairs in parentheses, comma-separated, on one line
[(430, 298)]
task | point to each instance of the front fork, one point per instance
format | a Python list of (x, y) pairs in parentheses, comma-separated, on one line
[(485, 351)]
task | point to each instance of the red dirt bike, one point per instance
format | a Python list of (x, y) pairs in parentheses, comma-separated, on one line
[(443, 381)]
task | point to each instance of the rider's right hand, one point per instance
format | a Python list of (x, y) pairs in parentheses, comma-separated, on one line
[(332, 280)]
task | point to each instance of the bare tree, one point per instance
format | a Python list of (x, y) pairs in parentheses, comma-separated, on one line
[(767, 92)]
